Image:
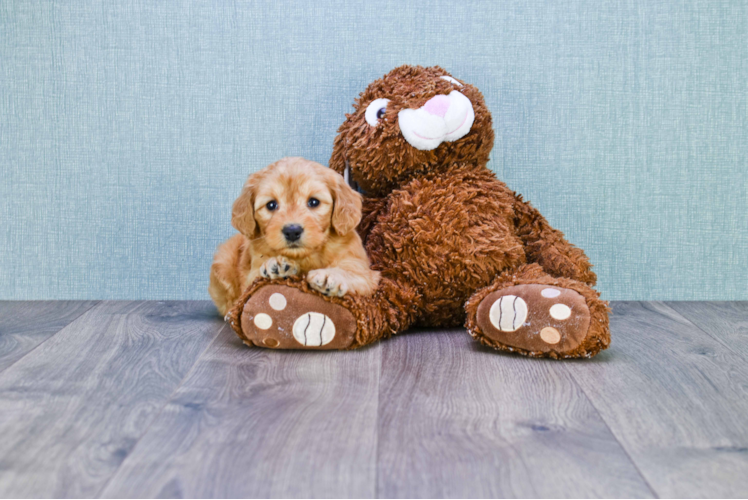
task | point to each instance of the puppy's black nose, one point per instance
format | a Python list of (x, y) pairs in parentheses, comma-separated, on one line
[(292, 232)]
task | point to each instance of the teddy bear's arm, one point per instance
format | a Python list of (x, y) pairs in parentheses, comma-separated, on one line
[(548, 247), (371, 209)]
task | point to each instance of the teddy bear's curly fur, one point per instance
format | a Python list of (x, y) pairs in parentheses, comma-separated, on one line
[(447, 237)]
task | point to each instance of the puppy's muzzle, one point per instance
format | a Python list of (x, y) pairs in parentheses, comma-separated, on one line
[(292, 232)]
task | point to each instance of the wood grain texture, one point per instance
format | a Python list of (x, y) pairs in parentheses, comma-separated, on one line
[(726, 322), (25, 325), (675, 398), (162, 400), (460, 420), (73, 409), (252, 422)]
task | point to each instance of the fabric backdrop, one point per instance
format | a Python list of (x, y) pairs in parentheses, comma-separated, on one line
[(128, 128)]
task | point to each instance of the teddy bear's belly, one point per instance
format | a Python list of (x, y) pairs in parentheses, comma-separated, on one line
[(445, 247), (451, 269)]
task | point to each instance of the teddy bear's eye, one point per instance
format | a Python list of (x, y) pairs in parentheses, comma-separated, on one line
[(375, 111), (451, 80)]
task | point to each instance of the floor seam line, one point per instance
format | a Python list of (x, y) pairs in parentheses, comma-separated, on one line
[(161, 410), (379, 404), (717, 339), (607, 426), (93, 307)]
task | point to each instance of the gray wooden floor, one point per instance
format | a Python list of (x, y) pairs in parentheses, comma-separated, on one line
[(160, 399)]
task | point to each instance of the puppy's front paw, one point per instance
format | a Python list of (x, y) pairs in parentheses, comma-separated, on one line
[(278, 267), (328, 281)]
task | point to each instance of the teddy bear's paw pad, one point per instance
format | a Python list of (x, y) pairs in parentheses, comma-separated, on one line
[(314, 329), (535, 318), (282, 317)]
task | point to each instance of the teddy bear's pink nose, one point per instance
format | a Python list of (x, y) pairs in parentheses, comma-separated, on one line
[(437, 105)]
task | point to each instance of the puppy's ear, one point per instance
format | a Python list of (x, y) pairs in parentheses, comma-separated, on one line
[(243, 211), (346, 212)]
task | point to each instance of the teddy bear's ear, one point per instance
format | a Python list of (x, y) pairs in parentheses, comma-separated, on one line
[(346, 213), (337, 160), (243, 211), (339, 163)]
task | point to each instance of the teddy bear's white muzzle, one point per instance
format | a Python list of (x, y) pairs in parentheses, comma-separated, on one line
[(442, 119)]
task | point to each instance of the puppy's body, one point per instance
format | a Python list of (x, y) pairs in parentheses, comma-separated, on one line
[(296, 217)]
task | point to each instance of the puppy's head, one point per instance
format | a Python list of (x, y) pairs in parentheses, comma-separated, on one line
[(294, 206)]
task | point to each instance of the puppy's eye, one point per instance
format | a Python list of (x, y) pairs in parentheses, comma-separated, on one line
[(271, 205), (375, 111), (313, 202)]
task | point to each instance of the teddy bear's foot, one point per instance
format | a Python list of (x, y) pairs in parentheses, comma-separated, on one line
[(538, 320), (282, 317)]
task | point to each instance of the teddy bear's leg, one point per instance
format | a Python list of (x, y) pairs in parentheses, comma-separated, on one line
[(528, 311), (547, 246), (291, 315)]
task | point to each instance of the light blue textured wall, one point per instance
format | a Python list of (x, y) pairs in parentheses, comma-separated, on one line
[(127, 128)]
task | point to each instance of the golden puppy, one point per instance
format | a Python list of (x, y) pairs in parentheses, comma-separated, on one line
[(295, 217)]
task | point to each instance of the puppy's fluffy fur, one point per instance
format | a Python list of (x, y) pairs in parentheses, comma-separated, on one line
[(329, 251)]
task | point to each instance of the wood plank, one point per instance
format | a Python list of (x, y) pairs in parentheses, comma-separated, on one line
[(73, 409), (461, 420), (675, 398), (25, 325), (252, 422), (725, 321)]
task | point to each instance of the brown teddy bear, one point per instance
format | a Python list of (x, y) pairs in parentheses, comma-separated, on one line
[(454, 244)]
